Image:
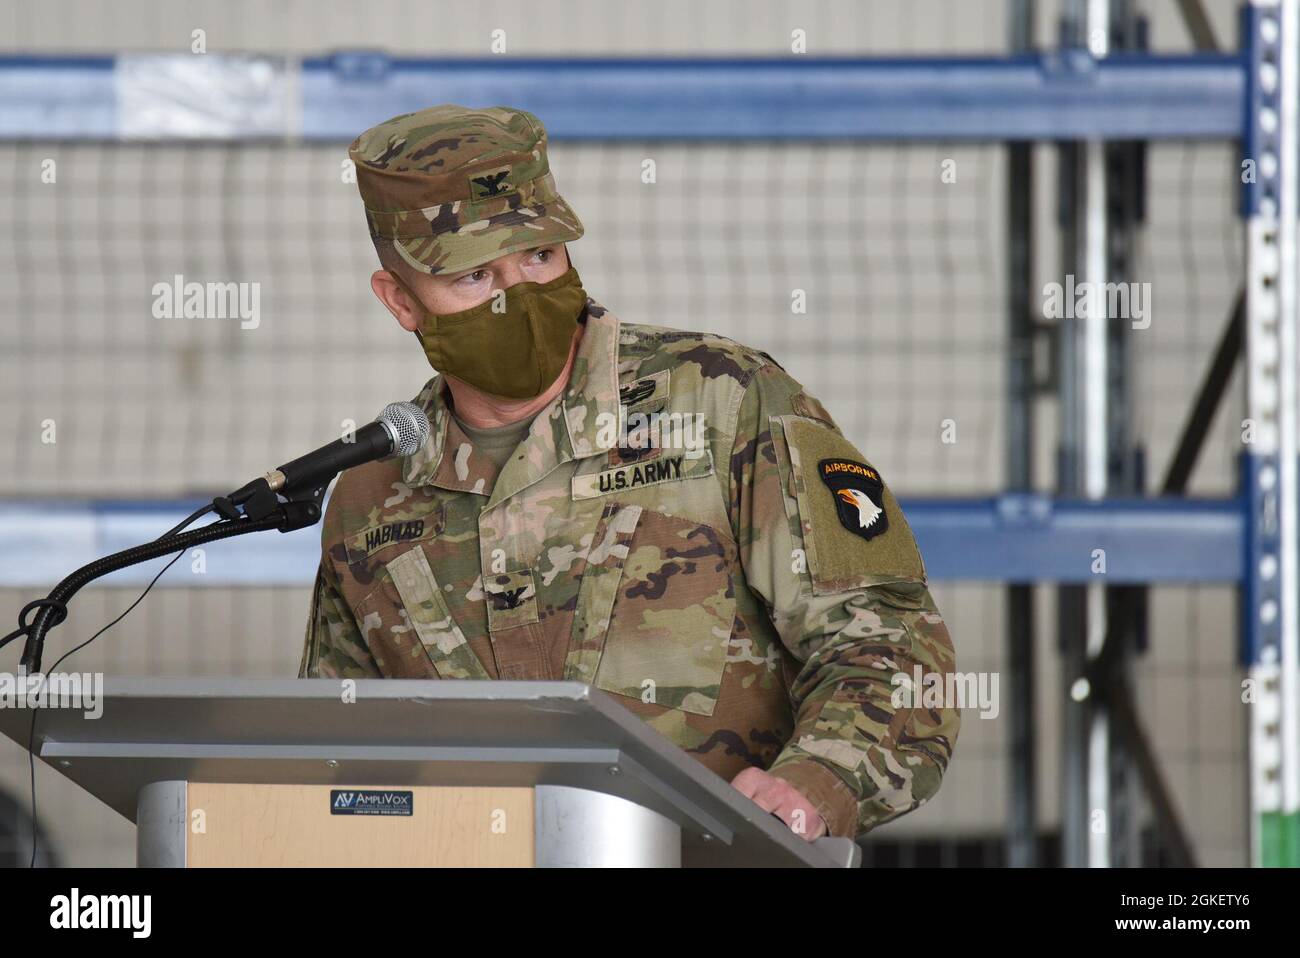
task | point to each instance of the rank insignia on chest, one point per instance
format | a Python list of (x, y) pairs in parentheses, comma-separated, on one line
[(859, 495)]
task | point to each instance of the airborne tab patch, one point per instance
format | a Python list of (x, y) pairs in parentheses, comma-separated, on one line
[(859, 495)]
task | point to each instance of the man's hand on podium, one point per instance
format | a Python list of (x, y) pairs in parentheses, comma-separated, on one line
[(783, 800)]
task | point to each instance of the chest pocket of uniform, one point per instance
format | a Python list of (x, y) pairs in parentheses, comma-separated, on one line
[(670, 606), (429, 616), (511, 599)]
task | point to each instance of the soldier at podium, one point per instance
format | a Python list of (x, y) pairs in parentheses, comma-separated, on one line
[(665, 515)]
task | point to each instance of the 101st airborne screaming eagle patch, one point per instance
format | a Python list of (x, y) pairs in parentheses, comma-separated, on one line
[(859, 495)]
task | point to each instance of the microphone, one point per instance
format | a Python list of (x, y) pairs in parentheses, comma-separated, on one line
[(402, 429)]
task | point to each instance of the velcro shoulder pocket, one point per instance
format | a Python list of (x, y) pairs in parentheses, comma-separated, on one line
[(853, 532)]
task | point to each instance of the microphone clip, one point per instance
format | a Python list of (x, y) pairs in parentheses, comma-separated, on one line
[(297, 509)]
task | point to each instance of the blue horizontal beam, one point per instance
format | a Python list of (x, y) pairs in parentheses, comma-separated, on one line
[(1030, 538), (1010, 538), (56, 98), (1059, 96), (41, 541), (987, 99)]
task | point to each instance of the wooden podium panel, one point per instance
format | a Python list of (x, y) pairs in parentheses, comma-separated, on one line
[(273, 826)]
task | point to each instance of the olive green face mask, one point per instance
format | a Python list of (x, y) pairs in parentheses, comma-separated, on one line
[(514, 353)]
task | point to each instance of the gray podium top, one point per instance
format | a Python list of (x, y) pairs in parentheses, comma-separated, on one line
[(406, 732)]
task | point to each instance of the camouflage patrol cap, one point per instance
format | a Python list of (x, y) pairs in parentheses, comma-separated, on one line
[(455, 187)]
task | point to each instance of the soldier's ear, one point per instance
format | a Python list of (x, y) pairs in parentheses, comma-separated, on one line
[(395, 299)]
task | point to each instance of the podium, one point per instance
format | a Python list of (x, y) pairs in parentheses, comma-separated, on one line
[(384, 772)]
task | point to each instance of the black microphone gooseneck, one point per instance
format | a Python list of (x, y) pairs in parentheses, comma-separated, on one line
[(286, 499), (53, 608)]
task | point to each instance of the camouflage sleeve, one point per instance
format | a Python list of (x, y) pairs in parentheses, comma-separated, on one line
[(334, 647), (825, 546)]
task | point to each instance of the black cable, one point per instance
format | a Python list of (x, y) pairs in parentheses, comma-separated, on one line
[(196, 514), (31, 734), (53, 609), (70, 585), (59, 610)]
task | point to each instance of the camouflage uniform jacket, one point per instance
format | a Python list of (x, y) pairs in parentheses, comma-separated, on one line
[(713, 591)]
